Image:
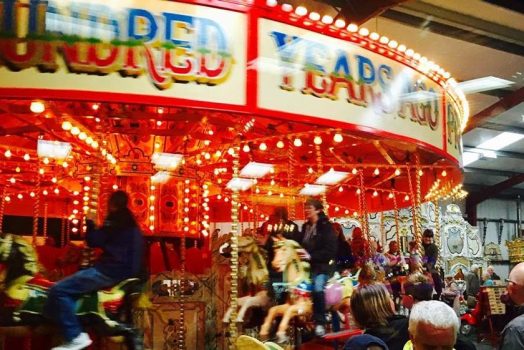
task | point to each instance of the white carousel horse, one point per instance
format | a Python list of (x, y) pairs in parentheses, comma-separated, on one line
[(254, 271)]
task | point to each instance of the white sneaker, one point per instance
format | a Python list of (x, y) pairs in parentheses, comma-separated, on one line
[(82, 341)]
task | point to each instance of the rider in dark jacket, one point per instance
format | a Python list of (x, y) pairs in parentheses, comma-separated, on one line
[(122, 245), (319, 240)]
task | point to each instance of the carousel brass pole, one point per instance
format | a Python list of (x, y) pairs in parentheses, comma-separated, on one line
[(2, 208), (437, 233), (290, 180), (234, 251), (320, 170), (36, 208), (182, 327), (416, 231), (45, 220), (364, 210), (397, 221)]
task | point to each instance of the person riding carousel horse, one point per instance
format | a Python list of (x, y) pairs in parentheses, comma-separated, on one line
[(122, 244)]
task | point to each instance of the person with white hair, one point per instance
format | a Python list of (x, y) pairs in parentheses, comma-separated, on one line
[(513, 333), (432, 325)]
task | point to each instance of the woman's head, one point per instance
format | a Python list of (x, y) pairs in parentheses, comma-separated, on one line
[(313, 208), (393, 247), (118, 201), (371, 306)]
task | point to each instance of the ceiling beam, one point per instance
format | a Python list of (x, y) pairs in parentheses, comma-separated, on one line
[(492, 191), (491, 172), (500, 154), (502, 127), (502, 105)]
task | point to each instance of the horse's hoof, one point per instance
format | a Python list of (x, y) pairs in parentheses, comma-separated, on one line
[(282, 338)]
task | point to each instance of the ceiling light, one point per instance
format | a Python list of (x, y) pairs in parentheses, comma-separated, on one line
[(312, 190), (75, 131), (331, 177), (67, 126), (363, 31), (256, 170), (7, 154), (246, 148), (314, 16), (53, 149), (327, 19), (469, 157), (166, 161), (262, 146), (317, 140), (354, 171), (339, 23), (239, 184), (160, 177), (500, 141), (280, 144), (483, 84), (37, 107), (297, 142)]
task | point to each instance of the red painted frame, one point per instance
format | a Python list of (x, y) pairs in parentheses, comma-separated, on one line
[(253, 12)]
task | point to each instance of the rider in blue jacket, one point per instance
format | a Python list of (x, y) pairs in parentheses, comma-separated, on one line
[(122, 244)]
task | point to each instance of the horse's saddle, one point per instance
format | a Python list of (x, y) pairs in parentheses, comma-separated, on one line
[(28, 294)]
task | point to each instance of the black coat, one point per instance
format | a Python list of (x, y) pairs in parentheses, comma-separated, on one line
[(322, 246), (291, 233), (395, 334)]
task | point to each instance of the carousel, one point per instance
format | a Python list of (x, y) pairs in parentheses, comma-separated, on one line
[(210, 114)]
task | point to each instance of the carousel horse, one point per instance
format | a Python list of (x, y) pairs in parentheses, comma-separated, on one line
[(254, 272), (24, 294), (297, 277)]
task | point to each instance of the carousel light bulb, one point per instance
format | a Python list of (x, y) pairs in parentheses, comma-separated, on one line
[(340, 189), (269, 193), (151, 227), (246, 148), (397, 172), (257, 190), (65, 164), (12, 180), (393, 44), (20, 196), (363, 31), (17, 169), (32, 194), (37, 107), (280, 144), (56, 191), (115, 187), (54, 180), (272, 182), (26, 157), (301, 11), (420, 172), (374, 36), (375, 193), (45, 193), (337, 208), (327, 19), (89, 140), (76, 193), (358, 191), (317, 140), (340, 23), (406, 198), (46, 161), (384, 40), (75, 131), (262, 146), (7, 154), (354, 171), (186, 229), (152, 197), (218, 153), (310, 170), (444, 173), (297, 142), (67, 125), (207, 155), (85, 198), (376, 172), (314, 16), (87, 188), (95, 106), (338, 138), (352, 27), (281, 195), (390, 196), (41, 171), (226, 199), (74, 230), (401, 48)]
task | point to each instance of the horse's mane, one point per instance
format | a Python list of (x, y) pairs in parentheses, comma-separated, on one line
[(302, 266)]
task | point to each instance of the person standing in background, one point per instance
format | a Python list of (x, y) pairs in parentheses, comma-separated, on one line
[(430, 260)]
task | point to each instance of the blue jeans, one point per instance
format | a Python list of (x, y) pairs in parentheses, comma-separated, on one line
[(62, 297), (319, 302)]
